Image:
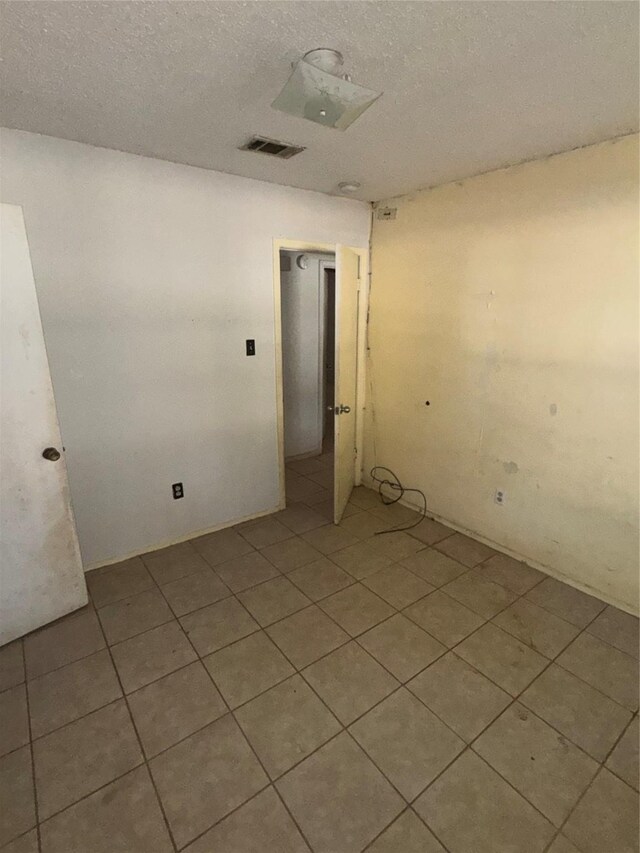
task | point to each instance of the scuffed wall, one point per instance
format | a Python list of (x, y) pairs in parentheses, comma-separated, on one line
[(509, 301)]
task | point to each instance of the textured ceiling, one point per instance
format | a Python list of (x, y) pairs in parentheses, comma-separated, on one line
[(468, 86)]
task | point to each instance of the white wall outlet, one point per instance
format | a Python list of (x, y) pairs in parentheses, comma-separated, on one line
[(500, 496)]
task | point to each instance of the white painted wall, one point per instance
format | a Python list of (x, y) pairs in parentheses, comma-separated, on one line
[(150, 276), (510, 302), (303, 321)]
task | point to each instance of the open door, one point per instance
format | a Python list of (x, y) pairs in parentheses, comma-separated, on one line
[(41, 576), (346, 371)]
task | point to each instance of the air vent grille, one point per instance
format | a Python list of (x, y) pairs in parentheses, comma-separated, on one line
[(271, 146)]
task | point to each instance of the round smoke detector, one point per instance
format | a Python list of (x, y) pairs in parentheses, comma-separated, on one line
[(349, 186), (302, 262)]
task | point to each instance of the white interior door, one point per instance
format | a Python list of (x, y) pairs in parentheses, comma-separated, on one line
[(346, 370), (41, 576)]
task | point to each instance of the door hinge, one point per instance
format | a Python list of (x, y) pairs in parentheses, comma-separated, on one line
[(359, 259)]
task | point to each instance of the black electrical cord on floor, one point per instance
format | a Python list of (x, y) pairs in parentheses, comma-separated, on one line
[(395, 492)]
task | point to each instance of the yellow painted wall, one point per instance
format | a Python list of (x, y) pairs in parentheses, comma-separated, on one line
[(510, 302)]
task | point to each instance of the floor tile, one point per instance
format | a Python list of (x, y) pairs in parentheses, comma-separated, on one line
[(112, 583), (565, 601), (68, 693), (338, 797), (617, 628), (483, 597), (195, 591), (203, 778), (562, 845), (260, 826), (71, 638), (544, 767), (584, 715), (356, 609), (306, 636), (361, 559), (311, 465), (322, 503), (11, 665), (623, 761), (273, 600), (444, 618), (350, 681), (14, 719), (323, 478), (27, 843), (264, 532), (606, 818), (398, 586), (472, 810), (320, 578), (465, 550), (502, 658), (291, 554), (174, 562), (459, 695), (396, 545), (247, 668), (300, 518), (175, 706), (510, 573), (401, 647), (302, 489), (395, 514), (536, 627), (149, 656), (602, 666), (362, 524), (286, 724), (407, 834), (218, 625), (123, 817), (221, 546), (79, 758), (18, 812), (329, 539), (134, 615), (244, 572), (365, 498), (407, 742), (433, 567), (430, 531)]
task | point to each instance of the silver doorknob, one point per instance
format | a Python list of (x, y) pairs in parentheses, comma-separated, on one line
[(51, 454)]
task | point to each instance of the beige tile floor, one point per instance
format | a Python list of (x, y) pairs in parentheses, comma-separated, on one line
[(286, 686)]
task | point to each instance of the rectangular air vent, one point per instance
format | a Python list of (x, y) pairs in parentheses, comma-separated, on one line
[(271, 146)]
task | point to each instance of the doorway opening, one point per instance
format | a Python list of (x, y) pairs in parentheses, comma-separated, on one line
[(320, 373), (308, 335)]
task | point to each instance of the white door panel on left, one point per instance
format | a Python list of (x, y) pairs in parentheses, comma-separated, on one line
[(41, 576)]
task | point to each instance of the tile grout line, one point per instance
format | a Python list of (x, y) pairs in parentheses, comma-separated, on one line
[(350, 639), (240, 729), (36, 806), (140, 744)]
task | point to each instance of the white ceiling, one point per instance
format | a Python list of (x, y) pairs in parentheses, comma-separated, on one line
[(468, 86)]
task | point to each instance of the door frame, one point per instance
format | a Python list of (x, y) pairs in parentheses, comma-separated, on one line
[(312, 246)]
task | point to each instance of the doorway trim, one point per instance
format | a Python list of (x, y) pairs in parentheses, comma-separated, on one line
[(305, 246)]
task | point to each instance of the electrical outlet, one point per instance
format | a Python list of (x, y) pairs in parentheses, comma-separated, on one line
[(500, 497), (178, 491)]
